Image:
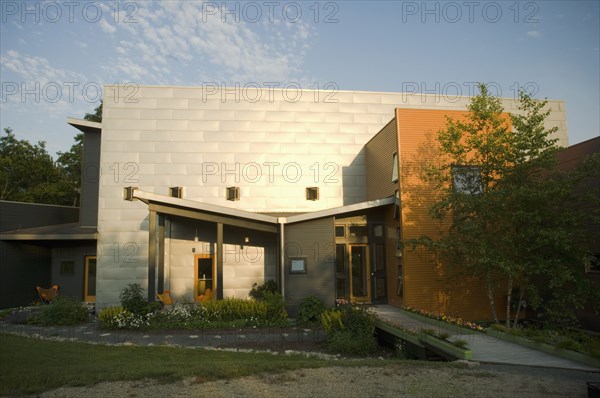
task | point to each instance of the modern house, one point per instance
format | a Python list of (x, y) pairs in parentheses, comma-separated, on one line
[(189, 188)]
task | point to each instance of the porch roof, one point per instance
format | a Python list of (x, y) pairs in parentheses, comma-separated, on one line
[(186, 207), (85, 126), (71, 231)]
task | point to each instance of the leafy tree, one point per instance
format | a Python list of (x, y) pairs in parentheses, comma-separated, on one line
[(97, 115), (70, 166), (512, 218), (27, 172)]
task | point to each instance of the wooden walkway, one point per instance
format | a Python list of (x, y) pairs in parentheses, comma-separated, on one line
[(485, 348)]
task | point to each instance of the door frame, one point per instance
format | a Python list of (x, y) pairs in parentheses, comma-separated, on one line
[(86, 298), (367, 273), (214, 270)]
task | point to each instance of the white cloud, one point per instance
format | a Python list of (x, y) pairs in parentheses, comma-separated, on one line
[(108, 28), (176, 38), (536, 34)]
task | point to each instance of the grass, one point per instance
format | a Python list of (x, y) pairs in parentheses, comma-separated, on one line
[(29, 366)]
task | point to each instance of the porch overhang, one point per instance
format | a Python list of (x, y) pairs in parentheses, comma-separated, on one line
[(85, 126), (207, 212), (71, 231)]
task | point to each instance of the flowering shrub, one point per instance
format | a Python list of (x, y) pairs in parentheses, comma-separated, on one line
[(445, 318), (229, 312)]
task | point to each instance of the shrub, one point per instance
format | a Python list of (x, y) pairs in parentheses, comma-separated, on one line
[(460, 343), (311, 309), (276, 314), (332, 321), (132, 299), (258, 291), (63, 311), (350, 330), (108, 317)]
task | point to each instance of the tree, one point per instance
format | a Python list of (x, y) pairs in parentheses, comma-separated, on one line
[(512, 218), (97, 115), (27, 172)]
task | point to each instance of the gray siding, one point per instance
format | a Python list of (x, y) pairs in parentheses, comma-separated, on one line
[(71, 285), (315, 240), (379, 153), (18, 215), (90, 180), (22, 268)]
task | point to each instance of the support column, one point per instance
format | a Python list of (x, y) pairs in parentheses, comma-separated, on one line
[(152, 256), (161, 254), (219, 261)]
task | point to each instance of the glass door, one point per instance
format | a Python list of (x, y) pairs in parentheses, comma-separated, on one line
[(360, 273), (89, 281), (204, 275)]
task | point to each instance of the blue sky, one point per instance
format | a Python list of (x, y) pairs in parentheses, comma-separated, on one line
[(54, 56)]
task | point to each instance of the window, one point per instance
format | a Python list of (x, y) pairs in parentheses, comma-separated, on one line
[(233, 193), (466, 179), (67, 267), (395, 168), (397, 206), (398, 242), (340, 231), (378, 231), (176, 192), (358, 231), (297, 265), (312, 193)]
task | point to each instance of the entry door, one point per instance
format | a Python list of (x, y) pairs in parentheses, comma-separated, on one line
[(204, 275), (360, 273), (89, 281), (378, 274)]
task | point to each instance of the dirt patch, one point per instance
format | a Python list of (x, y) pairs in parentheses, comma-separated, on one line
[(398, 380)]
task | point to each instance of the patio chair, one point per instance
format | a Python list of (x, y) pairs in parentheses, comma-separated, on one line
[(207, 296), (47, 295), (165, 298)]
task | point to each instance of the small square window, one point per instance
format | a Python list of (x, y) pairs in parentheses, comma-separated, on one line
[(378, 231), (128, 193), (298, 265), (67, 267), (233, 193), (176, 192), (312, 193), (340, 231)]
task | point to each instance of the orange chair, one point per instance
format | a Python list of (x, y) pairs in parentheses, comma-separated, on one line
[(47, 295), (207, 296), (165, 298)]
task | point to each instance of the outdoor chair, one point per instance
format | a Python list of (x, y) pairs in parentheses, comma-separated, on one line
[(47, 295), (207, 296), (165, 298)]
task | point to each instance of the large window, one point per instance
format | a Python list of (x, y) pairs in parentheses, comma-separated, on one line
[(466, 179)]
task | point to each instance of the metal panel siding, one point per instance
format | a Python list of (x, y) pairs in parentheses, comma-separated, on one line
[(90, 180), (315, 240), (426, 282), (71, 285), (379, 154)]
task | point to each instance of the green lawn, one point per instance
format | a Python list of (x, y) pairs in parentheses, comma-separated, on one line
[(30, 365)]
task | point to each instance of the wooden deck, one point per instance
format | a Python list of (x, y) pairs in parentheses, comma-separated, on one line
[(484, 348)]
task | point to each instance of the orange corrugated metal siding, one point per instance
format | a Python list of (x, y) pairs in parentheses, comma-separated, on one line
[(426, 281)]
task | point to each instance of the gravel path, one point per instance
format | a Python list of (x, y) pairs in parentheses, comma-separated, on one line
[(397, 380)]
